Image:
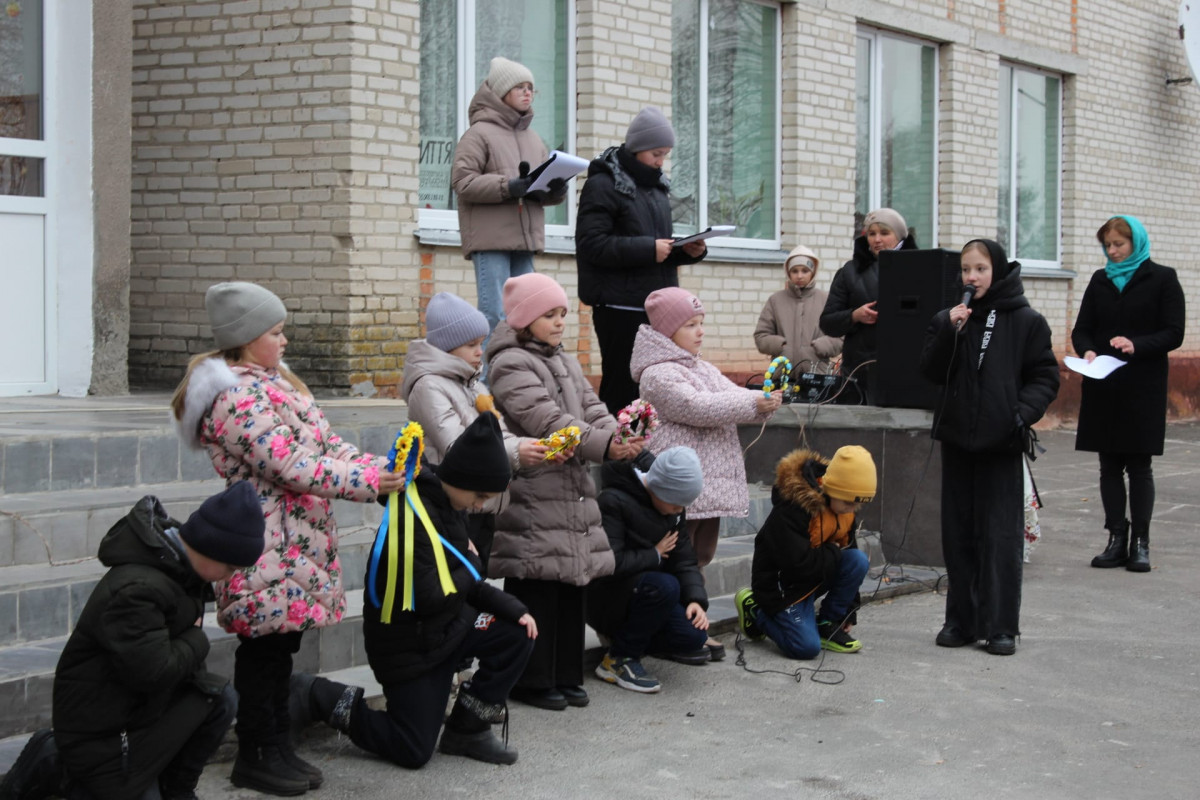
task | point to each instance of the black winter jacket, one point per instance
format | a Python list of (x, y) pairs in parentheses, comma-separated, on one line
[(136, 643), (855, 284), (1126, 412), (418, 640), (634, 527), (623, 209), (788, 566), (980, 404)]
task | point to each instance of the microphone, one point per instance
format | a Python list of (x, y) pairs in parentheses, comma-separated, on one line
[(968, 293)]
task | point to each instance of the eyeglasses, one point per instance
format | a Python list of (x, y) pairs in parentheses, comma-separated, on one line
[(524, 87)]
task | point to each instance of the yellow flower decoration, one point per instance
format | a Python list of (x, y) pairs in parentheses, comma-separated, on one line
[(564, 439)]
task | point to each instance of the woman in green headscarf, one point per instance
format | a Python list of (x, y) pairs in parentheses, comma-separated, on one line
[(1133, 309)]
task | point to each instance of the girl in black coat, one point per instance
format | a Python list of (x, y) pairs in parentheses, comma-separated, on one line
[(850, 310), (1133, 309), (999, 371)]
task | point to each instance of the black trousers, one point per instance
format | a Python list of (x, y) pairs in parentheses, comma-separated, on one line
[(615, 332), (262, 669), (559, 609), (1113, 468), (407, 731), (983, 540)]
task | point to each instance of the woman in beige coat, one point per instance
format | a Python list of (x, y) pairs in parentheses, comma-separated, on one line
[(789, 325)]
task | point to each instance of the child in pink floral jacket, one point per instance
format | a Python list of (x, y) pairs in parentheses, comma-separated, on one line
[(259, 423)]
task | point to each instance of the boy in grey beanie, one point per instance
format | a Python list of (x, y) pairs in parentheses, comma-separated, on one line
[(654, 602)]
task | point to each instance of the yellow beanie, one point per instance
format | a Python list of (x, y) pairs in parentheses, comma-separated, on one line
[(850, 475)]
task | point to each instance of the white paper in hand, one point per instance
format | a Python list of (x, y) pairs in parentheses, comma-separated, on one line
[(559, 165), (1099, 368)]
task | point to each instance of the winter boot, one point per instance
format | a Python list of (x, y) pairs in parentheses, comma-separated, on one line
[(468, 731), (36, 772), (333, 703), (264, 770), (1139, 548), (1118, 544)]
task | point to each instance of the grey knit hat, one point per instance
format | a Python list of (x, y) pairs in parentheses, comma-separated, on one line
[(650, 129), (241, 312), (676, 476), (451, 322), (505, 74), (889, 218)]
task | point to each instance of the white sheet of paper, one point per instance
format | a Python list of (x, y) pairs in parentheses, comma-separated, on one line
[(707, 233), (564, 165), (1099, 369)]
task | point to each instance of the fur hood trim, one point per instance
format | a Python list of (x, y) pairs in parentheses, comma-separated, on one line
[(797, 480), (210, 377)]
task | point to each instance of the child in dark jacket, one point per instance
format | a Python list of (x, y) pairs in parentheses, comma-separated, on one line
[(135, 712), (655, 600), (416, 636), (806, 549)]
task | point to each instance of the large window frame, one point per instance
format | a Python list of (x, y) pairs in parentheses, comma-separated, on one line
[(702, 135), (1010, 149), (870, 189), (440, 226)]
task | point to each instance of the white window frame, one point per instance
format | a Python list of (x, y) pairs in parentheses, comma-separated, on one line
[(1014, 126), (446, 220), (875, 161)]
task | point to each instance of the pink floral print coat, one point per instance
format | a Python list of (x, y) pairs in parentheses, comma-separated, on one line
[(261, 429)]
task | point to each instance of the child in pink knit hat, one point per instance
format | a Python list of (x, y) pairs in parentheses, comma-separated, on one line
[(549, 542), (698, 407)]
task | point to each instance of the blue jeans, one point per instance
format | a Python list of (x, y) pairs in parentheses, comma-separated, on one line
[(794, 628), (656, 622), (492, 269)]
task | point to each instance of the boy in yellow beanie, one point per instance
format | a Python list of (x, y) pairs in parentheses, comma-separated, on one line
[(806, 549)]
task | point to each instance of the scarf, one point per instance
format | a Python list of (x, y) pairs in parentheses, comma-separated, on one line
[(1120, 272)]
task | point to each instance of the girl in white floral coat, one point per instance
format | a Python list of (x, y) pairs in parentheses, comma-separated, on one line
[(259, 423)]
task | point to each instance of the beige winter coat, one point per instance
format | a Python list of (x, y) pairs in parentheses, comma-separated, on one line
[(790, 326), (488, 155), (551, 531)]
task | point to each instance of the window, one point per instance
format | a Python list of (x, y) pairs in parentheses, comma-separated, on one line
[(896, 110), (458, 41), (725, 110), (22, 149), (1030, 139)]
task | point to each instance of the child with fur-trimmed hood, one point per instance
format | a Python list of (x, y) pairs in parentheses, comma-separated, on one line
[(806, 549)]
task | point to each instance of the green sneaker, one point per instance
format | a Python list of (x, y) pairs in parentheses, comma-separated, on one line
[(748, 614), (628, 673), (835, 639)]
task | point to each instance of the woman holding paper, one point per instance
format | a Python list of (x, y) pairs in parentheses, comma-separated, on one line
[(1133, 310), (623, 245)]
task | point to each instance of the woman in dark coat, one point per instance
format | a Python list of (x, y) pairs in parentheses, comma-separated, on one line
[(623, 245), (850, 310), (1133, 309), (999, 371)]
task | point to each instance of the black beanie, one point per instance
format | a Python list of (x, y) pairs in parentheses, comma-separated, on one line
[(228, 527), (1000, 264), (478, 460)]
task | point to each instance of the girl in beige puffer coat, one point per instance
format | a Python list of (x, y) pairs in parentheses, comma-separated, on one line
[(790, 323)]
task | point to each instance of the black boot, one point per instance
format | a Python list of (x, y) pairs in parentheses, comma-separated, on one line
[(1139, 548), (1115, 555), (298, 765), (468, 731), (36, 772), (333, 703), (263, 769)]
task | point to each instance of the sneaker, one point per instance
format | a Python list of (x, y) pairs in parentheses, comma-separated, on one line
[(835, 639), (628, 673), (747, 610)]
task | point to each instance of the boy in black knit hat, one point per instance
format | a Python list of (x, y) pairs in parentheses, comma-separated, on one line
[(416, 635), (135, 712)]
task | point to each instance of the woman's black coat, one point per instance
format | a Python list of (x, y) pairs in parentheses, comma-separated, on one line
[(980, 405), (1126, 412)]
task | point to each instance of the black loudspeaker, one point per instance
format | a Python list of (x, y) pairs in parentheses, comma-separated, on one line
[(913, 286)]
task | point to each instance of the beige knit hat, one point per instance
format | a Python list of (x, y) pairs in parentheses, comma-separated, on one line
[(505, 74)]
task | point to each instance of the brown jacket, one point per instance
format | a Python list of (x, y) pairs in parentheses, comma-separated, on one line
[(790, 326), (487, 157), (552, 529)]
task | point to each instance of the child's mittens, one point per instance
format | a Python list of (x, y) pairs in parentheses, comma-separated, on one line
[(484, 402)]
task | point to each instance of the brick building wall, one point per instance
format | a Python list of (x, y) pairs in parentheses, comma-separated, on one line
[(277, 141)]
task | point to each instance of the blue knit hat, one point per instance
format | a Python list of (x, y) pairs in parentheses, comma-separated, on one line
[(451, 322)]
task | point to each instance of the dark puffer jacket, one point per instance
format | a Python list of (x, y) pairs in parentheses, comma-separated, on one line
[(799, 547), (855, 284), (1018, 375), (417, 640), (135, 646), (623, 209), (634, 527)]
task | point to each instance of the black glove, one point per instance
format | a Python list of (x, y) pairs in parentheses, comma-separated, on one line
[(557, 186), (518, 186)]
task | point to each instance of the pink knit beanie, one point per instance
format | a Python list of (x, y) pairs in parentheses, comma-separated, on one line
[(669, 308), (527, 297)]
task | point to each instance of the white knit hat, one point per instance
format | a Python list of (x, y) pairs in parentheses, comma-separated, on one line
[(505, 74)]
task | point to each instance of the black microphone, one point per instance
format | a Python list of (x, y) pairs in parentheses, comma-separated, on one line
[(968, 293)]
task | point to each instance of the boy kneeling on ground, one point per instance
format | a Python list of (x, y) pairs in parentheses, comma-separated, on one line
[(806, 549)]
